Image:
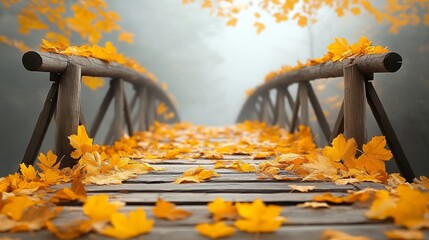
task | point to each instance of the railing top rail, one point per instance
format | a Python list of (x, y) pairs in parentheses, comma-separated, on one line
[(367, 64), (52, 62)]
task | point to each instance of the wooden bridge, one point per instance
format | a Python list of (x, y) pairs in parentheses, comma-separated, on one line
[(271, 103)]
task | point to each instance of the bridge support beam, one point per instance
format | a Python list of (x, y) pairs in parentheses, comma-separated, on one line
[(354, 104), (67, 113)]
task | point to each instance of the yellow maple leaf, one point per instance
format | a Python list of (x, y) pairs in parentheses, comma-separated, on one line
[(167, 210), (381, 206), (339, 49), (48, 161), (341, 149), (411, 207), (196, 175), (82, 143), (29, 173), (329, 234), (215, 230), (302, 188), (222, 210), (15, 206), (401, 234), (126, 37), (35, 217), (259, 27), (232, 22), (124, 227), (52, 47), (162, 108), (98, 207), (93, 83), (374, 155), (257, 217), (314, 205)]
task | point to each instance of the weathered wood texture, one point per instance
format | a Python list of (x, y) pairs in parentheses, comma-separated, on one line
[(354, 104), (67, 112)]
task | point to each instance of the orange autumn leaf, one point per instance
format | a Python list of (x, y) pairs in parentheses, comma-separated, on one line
[(411, 208), (314, 205), (35, 217), (168, 210), (329, 234), (382, 206), (238, 165), (374, 154), (48, 161), (401, 234), (82, 143), (15, 206), (232, 22), (302, 188), (93, 83), (215, 230), (222, 210), (341, 149), (161, 109), (196, 175), (124, 227), (98, 207), (126, 37), (70, 230), (76, 192), (29, 173), (256, 217)]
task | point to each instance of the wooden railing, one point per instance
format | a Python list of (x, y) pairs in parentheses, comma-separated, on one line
[(64, 99), (358, 74)]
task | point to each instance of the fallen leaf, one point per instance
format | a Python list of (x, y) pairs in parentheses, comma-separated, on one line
[(257, 217), (301, 188), (70, 230), (124, 227), (98, 207), (215, 230), (222, 210), (338, 235), (314, 205), (401, 234), (167, 210)]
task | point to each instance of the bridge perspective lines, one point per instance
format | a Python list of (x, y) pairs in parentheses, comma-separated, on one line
[(192, 166)]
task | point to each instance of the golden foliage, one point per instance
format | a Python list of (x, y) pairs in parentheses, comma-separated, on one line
[(397, 14), (256, 217), (168, 210), (215, 230), (222, 210), (196, 175), (124, 227)]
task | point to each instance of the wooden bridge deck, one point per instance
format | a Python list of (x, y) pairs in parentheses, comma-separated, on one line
[(303, 223)]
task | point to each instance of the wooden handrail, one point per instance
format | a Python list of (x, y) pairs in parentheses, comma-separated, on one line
[(357, 73), (64, 99)]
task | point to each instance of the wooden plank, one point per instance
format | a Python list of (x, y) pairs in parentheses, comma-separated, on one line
[(354, 104), (386, 128), (204, 198), (167, 178), (217, 187), (297, 216), (373, 231), (42, 125), (67, 113)]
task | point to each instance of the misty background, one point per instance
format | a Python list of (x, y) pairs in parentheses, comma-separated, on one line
[(208, 67)]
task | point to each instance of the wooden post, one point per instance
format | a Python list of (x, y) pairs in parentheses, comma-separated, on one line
[(102, 111), (67, 113), (339, 123), (354, 104), (141, 116), (295, 109), (127, 113), (264, 108), (303, 98), (280, 115), (119, 109)]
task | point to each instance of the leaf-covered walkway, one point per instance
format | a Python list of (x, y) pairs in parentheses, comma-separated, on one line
[(202, 169)]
